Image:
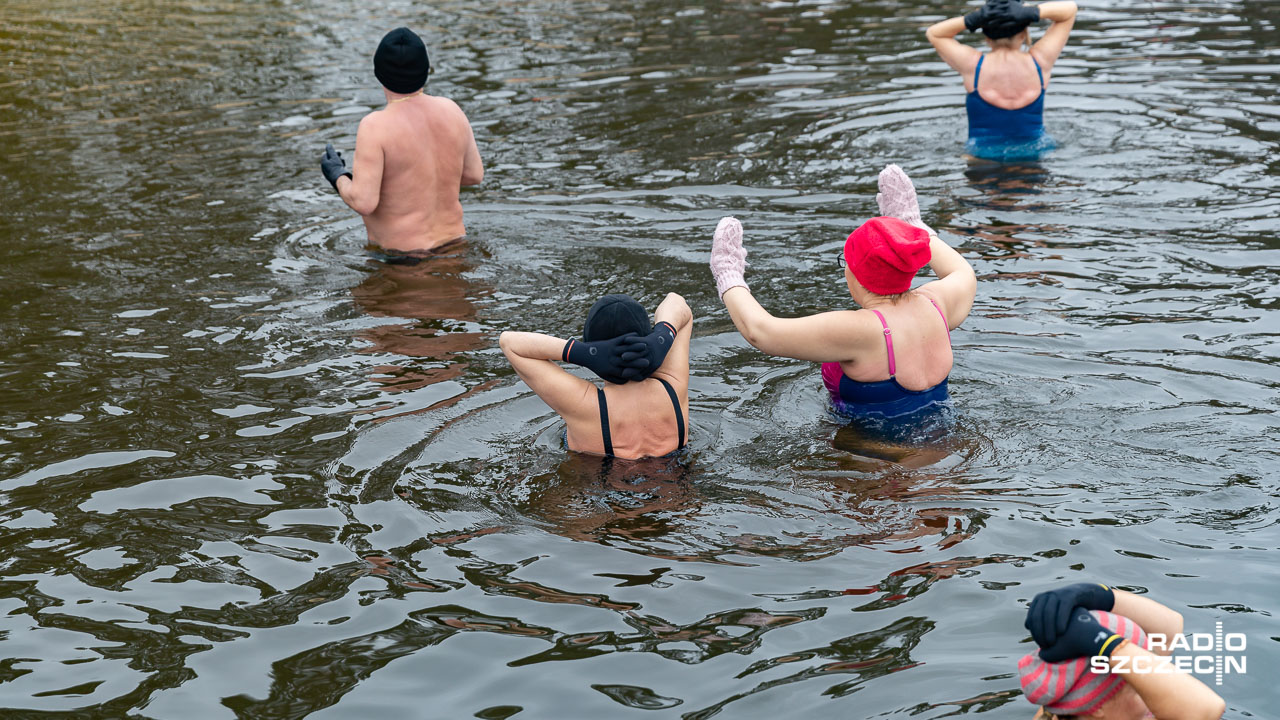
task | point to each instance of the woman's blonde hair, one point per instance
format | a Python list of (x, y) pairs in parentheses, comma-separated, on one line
[(1018, 40)]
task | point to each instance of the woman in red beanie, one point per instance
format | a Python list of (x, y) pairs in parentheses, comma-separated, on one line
[(891, 358)]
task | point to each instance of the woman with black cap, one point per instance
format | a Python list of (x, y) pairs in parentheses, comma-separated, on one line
[(641, 410), (1006, 85)]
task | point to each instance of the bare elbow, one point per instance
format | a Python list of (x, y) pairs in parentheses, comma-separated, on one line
[(751, 332), (363, 205), (474, 177)]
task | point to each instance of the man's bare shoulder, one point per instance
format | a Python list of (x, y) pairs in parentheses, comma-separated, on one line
[(373, 126), (374, 119), (445, 105)]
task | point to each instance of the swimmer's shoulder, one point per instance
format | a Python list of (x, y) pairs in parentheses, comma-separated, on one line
[(374, 123)]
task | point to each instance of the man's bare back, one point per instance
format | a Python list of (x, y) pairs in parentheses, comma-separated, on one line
[(411, 159)]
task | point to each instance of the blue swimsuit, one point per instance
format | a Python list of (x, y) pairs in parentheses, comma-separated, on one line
[(882, 399), (999, 134)]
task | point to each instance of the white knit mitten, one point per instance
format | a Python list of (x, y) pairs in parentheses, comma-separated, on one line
[(897, 197), (728, 257)]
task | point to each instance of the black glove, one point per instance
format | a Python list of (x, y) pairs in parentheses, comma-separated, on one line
[(1050, 611), (617, 361), (1024, 14), (974, 21), (333, 166), (1085, 637), (657, 344)]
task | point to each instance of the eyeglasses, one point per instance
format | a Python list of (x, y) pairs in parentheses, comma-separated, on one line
[(841, 261)]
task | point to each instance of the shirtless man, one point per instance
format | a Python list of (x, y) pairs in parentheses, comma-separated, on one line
[(411, 158)]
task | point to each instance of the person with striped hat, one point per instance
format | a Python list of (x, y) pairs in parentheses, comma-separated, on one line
[(1078, 625)]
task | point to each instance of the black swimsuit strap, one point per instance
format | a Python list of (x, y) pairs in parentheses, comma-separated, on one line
[(675, 402), (604, 423)]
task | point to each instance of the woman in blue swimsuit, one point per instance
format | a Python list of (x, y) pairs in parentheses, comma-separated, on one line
[(891, 358), (1006, 85)]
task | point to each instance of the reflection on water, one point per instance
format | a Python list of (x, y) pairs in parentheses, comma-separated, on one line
[(245, 470), (441, 302)]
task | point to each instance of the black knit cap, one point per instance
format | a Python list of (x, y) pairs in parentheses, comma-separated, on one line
[(614, 316), (400, 62), (1000, 22)]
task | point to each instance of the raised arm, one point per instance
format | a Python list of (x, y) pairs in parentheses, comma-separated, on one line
[(962, 58), (837, 336), (533, 357), (675, 366), (1168, 695), (1150, 615), (826, 337), (956, 285), (361, 192), (1062, 13)]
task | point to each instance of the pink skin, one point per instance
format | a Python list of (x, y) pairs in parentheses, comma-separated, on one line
[(1126, 704)]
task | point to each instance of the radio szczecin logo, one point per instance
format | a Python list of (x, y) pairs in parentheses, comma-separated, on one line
[(1215, 654)]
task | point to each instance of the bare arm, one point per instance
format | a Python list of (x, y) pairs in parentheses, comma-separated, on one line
[(1168, 695), (1062, 13), (472, 166), (962, 58), (361, 193), (675, 367), (956, 285), (826, 337), (1150, 615), (533, 357)]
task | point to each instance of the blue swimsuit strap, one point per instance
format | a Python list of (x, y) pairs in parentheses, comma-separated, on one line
[(978, 72)]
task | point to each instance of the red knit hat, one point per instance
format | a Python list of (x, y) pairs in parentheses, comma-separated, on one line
[(884, 253), (1071, 687)]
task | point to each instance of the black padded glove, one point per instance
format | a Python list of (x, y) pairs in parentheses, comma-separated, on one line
[(333, 166), (1085, 637), (1050, 611), (657, 344), (617, 360), (1024, 14), (974, 21)]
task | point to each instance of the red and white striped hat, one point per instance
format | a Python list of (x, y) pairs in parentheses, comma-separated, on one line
[(1072, 687)]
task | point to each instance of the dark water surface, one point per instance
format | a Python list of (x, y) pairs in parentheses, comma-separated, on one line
[(246, 473)]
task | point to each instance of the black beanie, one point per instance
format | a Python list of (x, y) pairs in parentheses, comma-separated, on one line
[(400, 62), (614, 316)]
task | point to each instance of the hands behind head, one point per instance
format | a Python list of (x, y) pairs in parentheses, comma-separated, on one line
[(1061, 624), (333, 166), (1085, 637), (996, 13), (974, 21), (626, 358)]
